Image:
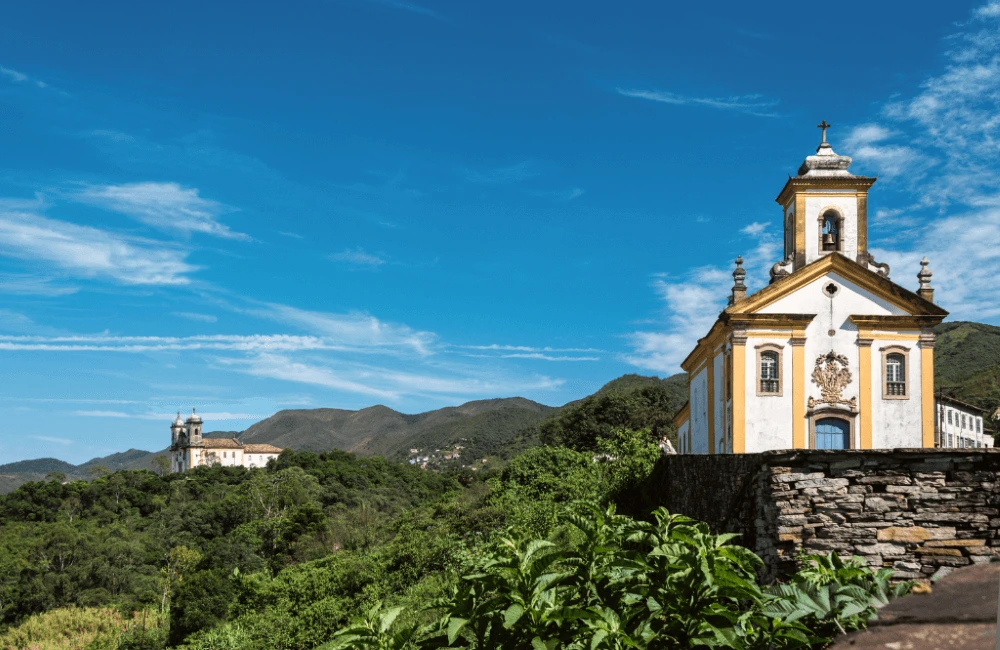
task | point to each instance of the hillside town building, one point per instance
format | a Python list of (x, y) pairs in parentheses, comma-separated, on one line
[(188, 448), (832, 354), (960, 425)]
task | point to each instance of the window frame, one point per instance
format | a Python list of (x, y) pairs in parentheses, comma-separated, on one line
[(778, 350), (829, 412), (905, 353)]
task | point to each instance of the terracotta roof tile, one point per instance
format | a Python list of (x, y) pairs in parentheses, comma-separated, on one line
[(261, 449)]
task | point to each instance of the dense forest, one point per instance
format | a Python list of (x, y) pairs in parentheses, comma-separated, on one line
[(334, 551)]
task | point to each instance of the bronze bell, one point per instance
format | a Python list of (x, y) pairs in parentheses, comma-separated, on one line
[(829, 239)]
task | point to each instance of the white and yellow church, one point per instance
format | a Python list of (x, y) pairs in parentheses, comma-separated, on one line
[(832, 354)]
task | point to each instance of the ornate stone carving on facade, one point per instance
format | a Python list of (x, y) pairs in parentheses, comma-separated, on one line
[(832, 376), (926, 291), (739, 287), (879, 267), (781, 269)]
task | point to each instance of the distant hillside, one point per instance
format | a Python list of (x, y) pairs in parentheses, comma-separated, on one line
[(381, 431), (38, 466), (967, 363)]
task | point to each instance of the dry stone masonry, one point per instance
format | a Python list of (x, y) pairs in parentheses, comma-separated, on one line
[(921, 512)]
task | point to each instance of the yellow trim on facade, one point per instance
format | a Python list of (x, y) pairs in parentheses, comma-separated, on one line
[(862, 224), (927, 393), (739, 397), (710, 396), (799, 392), (800, 231), (865, 391), (683, 415)]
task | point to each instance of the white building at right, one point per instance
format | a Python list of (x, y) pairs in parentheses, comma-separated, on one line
[(960, 425)]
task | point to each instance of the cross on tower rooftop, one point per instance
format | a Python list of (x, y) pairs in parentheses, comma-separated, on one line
[(823, 125)]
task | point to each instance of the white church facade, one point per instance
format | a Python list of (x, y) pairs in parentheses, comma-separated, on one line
[(832, 354), (189, 449)]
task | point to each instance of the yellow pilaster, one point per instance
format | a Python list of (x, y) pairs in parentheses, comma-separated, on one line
[(927, 386), (865, 391), (739, 392), (800, 230), (799, 390), (710, 370)]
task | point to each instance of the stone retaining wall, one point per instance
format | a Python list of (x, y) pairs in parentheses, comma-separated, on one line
[(919, 512)]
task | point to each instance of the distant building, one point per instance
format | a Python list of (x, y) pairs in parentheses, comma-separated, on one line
[(189, 449), (960, 425)]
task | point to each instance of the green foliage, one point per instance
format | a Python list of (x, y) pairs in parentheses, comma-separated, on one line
[(75, 628), (833, 595), (650, 406), (614, 582)]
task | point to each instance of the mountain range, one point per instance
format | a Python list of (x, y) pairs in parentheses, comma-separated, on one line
[(967, 366)]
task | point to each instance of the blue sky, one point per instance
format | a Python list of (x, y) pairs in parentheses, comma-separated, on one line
[(249, 206)]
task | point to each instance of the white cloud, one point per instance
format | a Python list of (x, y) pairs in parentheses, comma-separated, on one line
[(214, 416), (358, 258), (941, 142), (167, 206), (693, 302), (33, 285), (412, 8), (145, 344), (13, 75), (750, 104), (196, 316), (102, 414), (356, 330), (60, 441), (508, 174), (89, 252)]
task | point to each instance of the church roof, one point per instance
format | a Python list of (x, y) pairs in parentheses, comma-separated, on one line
[(261, 449), (221, 443), (848, 269)]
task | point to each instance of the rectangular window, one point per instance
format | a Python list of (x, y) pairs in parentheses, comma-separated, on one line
[(769, 370), (963, 421), (894, 362), (979, 425), (949, 416)]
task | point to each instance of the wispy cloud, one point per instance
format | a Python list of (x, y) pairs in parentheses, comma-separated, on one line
[(563, 196), (412, 8), (20, 77), (215, 416), (146, 344), (196, 316), (166, 206), (507, 174), (692, 302), (59, 441), (750, 104), (358, 330), (358, 258), (938, 146), (89, 252), (33, 285)]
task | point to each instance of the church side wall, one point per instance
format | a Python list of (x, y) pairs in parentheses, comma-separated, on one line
[(699, 412), (768, 417), (719, 404), (896, 423)]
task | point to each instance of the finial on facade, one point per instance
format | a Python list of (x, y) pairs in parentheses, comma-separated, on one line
[(739, 288), (926, 291)]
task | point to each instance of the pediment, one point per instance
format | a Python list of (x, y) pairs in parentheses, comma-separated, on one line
[(880, 288)]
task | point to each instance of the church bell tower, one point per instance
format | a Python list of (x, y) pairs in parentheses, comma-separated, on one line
[(825, 212)]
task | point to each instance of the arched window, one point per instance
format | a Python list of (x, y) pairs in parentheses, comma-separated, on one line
[(770, 374), (830, 235), (895, 375), (832, 433)]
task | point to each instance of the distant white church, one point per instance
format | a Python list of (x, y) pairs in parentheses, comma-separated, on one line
[(189, 449), (832, 354)]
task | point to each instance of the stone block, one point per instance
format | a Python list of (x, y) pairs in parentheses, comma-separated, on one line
[(901, 565), (968, 543), (913, 534), (880, 549), (822, 482), (884, 480), (907, 489), (941, 552), (792, 477)]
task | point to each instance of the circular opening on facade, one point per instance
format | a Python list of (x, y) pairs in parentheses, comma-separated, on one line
[(831, 289)]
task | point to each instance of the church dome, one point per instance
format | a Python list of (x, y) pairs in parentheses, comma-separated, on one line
[(825, 162), (178, 422), (194, 416)]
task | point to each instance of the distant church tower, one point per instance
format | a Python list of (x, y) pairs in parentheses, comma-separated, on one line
[(831, 354)]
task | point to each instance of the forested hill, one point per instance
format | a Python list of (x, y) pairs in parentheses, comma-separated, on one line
[(967, 363)]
